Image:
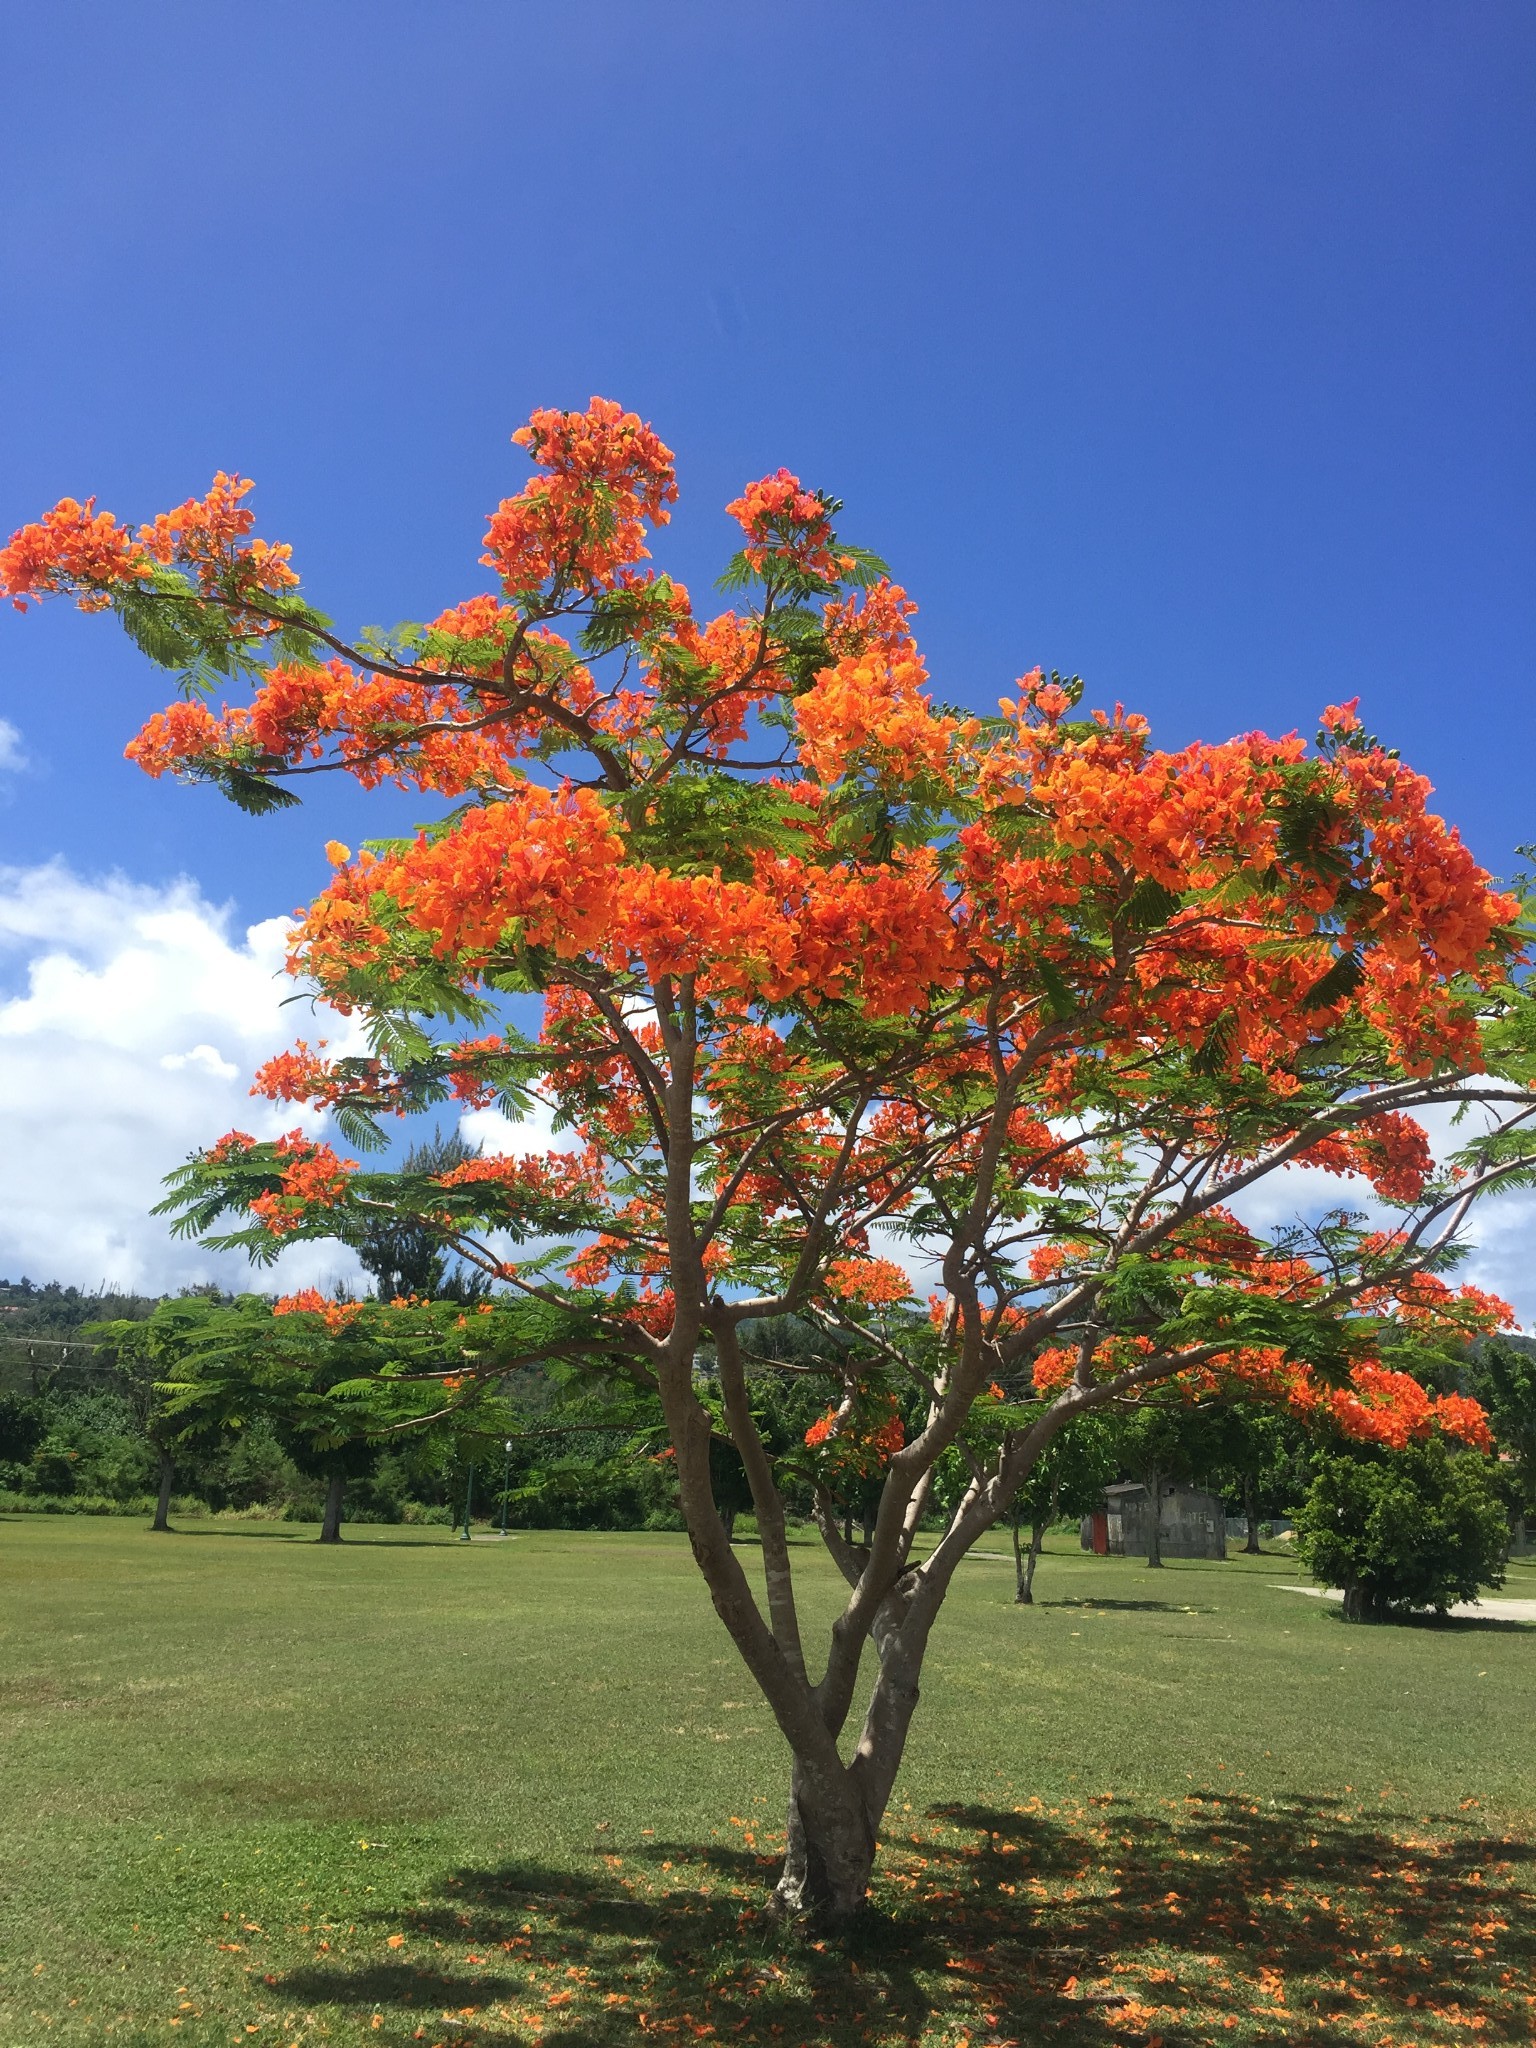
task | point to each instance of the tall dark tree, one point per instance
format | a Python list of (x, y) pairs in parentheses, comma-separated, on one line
[(1503, 1377), (404, 1255)]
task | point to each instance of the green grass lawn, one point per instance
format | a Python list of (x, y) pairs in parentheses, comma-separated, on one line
[(411, 1790)]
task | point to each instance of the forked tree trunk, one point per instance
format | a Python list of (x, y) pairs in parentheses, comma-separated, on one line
[(829, 1858), (162, 1521), (1155, 1522), (1025, 1596), (1251, 1510), (330, 1527)]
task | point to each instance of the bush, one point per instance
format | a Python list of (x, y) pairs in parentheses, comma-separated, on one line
[(1398, 1530), (95, 1504), (417, 1514), (90, 1444), (257, 1471)]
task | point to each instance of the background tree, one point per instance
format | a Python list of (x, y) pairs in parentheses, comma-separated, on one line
[(336, 1381), (143, 1354), (1256, 1457), (405, 1257), (1503, 1378), (1421, 1527), (1069, 1479), (825, 965)]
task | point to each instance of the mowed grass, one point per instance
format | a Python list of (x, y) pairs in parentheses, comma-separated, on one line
[(412, 1790)]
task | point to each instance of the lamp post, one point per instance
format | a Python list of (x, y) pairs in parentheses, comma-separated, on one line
[(469, 1495), (506, 1482)]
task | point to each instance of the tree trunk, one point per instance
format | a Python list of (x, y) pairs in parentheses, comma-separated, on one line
[(1251, 1510), (162, 1521), (728, 1517), (1026, 1592), (330, 1527), (1154, 1521), (1022, 1596), (828, 1859)]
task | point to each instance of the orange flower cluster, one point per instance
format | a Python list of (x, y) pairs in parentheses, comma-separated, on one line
[(873, 1283), (204, 534), (786, 523), (299, 1075), (313, 1177), (1391, 1151), (549, 1176), (546, 868), (860, 1436), (73, 547), (466, 1076), (1391, 1408), (1378, 1405), (233, 1145), (583, 524), (181, 736), (536, 868), (874, 713), (384, 728), (740, 671), (876, 622), (336, 1315)]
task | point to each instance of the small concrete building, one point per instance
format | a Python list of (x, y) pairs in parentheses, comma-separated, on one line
[(1190, 1524)]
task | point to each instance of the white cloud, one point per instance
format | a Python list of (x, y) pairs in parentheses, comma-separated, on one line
[(12, 755), (131, 1019), (204, 1056), (498, 1137)]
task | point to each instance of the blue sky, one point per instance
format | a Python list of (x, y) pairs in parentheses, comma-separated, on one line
[(1186, 346)]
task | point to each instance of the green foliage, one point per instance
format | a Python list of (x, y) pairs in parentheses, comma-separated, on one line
[(1423, 1527), (88, 1444), (698, 822), (1503, 1377)]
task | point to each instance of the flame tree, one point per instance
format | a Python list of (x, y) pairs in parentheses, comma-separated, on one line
[(827, 972)]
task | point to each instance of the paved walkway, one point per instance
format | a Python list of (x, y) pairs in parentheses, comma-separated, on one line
[(1476, 1610)]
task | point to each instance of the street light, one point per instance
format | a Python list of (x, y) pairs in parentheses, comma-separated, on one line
[(506, 1483)]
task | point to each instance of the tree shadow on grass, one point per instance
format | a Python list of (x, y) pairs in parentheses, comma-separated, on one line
[(1439, 1624), (1208, 1919), (1089, 1606), (303, 1533)]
